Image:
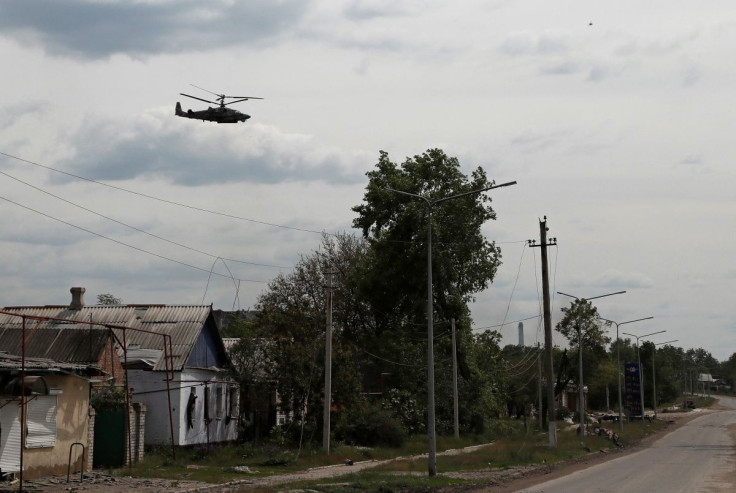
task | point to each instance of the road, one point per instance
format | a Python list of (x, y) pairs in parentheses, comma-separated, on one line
[(700, 456)]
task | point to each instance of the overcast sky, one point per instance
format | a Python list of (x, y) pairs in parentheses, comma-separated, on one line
[(615, 118)]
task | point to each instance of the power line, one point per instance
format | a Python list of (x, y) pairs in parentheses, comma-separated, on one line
[(171, 202), (122, 243), (507, 323), (135, 228)]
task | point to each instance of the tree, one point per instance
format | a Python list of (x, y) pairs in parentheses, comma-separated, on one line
[(582, 317), (464, 262), (393, 275), (108, 299), (292, 321)]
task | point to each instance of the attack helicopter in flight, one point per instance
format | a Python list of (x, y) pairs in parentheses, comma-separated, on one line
[(220, 113)]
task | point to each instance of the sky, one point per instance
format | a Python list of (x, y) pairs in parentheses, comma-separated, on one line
[(614, 118)]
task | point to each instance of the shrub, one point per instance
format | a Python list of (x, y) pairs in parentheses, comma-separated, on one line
[(369, 425)]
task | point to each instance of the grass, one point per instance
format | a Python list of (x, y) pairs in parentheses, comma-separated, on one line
[(517, 448)]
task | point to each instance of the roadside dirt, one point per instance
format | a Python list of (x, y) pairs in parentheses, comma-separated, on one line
[(491, 480)]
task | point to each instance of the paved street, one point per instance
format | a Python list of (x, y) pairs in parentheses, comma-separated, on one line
[(697, 457)]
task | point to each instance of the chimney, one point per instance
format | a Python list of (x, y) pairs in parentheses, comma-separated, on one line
[(77, 298), (521, 334)]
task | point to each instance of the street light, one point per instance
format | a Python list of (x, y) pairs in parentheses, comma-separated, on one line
[(581, 396), (431, 456), (618, 366), (654, 372), (641, 370)]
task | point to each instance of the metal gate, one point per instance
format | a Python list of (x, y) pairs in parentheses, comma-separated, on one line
[(109, 445)]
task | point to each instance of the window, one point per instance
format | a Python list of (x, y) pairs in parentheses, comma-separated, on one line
[(207, 400), (219, 402), (234, 401), (41, 422)]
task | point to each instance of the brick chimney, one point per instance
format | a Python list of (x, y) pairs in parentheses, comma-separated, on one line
[(77, 298)]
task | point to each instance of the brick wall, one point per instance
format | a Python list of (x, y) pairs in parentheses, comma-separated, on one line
[(91, 439), (137, 422)]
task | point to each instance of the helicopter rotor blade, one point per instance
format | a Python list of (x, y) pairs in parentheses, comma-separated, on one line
[(240, 100), (242, 97), (219, 96), (200, 99)]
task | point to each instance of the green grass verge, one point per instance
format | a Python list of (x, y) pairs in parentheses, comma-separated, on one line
[(518, 448)]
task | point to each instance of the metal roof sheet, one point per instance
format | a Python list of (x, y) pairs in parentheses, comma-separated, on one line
[(183, 323), (82, 345)]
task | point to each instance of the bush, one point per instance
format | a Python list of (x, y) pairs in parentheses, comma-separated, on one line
[(369, 425), (405, 409), (108, 398), (562, 412)]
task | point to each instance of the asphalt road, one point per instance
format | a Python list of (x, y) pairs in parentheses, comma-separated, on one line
[(700, 456)]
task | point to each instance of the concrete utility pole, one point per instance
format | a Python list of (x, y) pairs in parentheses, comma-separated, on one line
[(432, 439), (328, 369), (549, 363), (581, 388), (456, 405), (539, 386)]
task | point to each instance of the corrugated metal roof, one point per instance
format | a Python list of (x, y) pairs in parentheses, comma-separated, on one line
[(13, 362), (183, 323), (83, 345)]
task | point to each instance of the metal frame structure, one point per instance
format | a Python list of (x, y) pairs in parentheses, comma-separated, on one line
[(169, 373)]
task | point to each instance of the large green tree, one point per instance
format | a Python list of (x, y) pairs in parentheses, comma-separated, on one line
[(464, 262), (292, 319), (393, 274)]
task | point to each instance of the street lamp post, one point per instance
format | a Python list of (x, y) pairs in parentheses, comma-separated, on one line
[(641, 370), (431, 455), (618, 366), (654, 373), (581, 396)]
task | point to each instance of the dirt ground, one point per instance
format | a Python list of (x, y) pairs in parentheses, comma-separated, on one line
[(491, 480)]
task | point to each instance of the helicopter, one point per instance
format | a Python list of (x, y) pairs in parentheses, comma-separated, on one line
[(219, 114)]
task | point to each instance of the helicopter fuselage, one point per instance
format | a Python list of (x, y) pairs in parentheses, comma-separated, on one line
[(217, 114)]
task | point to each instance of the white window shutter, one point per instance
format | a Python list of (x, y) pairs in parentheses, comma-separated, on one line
[(41, 420)]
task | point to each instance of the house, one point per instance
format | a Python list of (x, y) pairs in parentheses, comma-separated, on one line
[(175, 363), (186, 372), (53, 373)]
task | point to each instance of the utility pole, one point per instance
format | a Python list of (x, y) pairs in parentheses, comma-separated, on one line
[(328, 368), (455, 407), (549, 364), (539, 387), (581, 388)]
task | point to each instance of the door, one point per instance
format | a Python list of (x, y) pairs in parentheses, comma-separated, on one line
[(109, 444)]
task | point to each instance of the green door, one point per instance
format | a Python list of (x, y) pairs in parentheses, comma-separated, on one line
[(109, 448)]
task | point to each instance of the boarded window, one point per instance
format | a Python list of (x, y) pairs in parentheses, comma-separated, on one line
[(234, 401), (41, 420)]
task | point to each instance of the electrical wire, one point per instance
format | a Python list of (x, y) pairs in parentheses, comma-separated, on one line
[(170, 202), (507, 323), (122, 243), (392, 362), (216, 257)]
